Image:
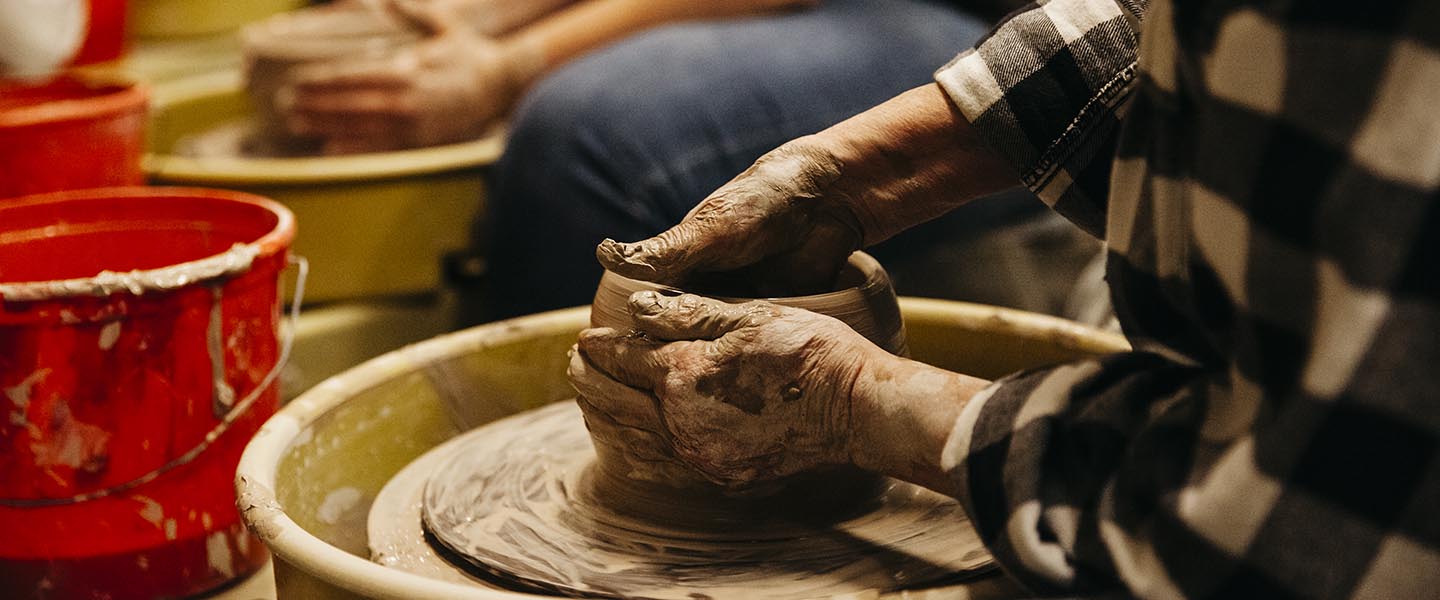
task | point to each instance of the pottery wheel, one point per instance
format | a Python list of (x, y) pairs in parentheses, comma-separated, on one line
[(510, 501), (238, 138)]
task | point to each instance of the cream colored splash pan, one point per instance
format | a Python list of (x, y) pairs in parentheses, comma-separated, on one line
[(306, 481)]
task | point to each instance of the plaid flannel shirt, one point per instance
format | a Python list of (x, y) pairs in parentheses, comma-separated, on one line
[(1265, 178)]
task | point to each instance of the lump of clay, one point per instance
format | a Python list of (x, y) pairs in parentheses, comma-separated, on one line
[(643, 466), (276, 47)]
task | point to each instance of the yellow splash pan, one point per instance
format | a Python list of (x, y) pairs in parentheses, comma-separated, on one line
[(184, 18), (307, 479), (370, 224)]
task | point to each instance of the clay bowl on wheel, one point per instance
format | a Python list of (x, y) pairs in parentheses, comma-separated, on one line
[(862, 298), (277, 47)]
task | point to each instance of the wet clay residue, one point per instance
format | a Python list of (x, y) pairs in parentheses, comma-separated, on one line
[(517, 501), (242, 138)]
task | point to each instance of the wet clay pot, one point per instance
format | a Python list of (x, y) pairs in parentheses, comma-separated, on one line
[(277, 47), (863, 298)]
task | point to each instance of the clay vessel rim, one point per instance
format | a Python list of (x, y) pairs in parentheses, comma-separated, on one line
[(862, 263), (323, 34)]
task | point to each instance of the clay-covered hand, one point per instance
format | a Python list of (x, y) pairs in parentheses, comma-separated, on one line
[(448, 87), (744, 393), (783, 224), (793, 217)]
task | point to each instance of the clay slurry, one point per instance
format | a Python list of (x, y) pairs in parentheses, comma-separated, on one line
[(517, 501)]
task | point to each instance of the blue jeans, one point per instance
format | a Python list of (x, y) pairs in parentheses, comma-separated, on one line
[(623, 142)]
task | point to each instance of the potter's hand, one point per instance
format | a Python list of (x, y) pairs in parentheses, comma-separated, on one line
[(793, 217), (783, 219), (447, 88), (750, 392), (743, 392)]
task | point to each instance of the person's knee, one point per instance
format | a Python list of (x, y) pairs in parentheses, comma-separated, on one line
[(545, 126), (569, 136)]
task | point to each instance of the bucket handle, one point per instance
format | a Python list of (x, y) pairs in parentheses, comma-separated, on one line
[(287, 341)]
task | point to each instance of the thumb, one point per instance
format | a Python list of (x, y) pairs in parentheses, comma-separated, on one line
[(666, 258), (691, 317), (711, 238)]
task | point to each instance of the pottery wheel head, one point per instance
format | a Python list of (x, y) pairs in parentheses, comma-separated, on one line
[(516, 503)]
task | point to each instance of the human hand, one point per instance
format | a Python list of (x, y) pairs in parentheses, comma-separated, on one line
[(446, 88), (784, 221), (743, 393), (793, 217)]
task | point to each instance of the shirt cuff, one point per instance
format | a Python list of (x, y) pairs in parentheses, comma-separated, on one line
[(1045, 90)]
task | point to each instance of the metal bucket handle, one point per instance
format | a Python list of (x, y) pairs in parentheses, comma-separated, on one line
[(237, 410)]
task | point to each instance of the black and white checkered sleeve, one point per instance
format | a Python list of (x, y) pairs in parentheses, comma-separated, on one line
[(1043, 458), (1046, 89), (1274, 236)]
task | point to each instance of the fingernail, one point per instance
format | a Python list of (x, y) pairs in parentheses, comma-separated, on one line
[(646, 303), (611, 249)]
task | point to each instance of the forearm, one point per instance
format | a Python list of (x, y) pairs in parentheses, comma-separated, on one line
[(585, 26), (902, 413), (909, 160)]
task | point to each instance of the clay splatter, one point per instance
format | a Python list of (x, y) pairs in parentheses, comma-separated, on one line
[(19, 395), (515, 500), (217, 553), (337, 503), (109, 334), (151, 511), (75, 445)]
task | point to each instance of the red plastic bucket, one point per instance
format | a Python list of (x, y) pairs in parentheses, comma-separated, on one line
[(139, 343), (70, 133)]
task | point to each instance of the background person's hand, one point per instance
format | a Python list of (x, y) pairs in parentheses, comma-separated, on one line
[(782, 221), (449, 87), (746, 392)]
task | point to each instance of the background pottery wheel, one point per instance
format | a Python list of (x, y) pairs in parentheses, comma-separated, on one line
[(512, 501), (240, 138), (376, 225)]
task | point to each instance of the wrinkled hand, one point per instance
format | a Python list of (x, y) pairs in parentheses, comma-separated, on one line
[(743, 393), (782, 223), (449, 87)]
